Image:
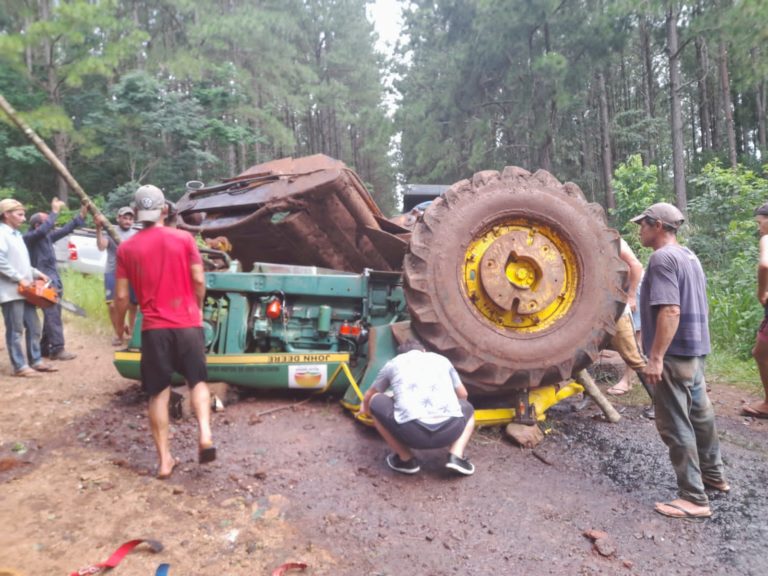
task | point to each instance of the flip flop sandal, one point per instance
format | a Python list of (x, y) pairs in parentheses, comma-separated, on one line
[(685, 515), (752, 413), (206, 455), (27, 373), (613, 391)]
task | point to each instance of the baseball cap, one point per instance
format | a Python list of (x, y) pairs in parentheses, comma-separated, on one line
[(126, 210), (668, 214), (762, 211), (8, 204), (149, 201)]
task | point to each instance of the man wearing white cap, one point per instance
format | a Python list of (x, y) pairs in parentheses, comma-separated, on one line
[(164, 267), (674, 316), (20, 317)]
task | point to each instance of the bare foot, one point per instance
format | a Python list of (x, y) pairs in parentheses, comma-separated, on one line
[(164, 472), (620, 388)]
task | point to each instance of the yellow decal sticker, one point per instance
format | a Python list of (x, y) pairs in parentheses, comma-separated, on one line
[(308, 376)]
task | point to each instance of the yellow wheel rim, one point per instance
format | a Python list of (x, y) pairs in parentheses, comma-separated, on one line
[(521, 277)]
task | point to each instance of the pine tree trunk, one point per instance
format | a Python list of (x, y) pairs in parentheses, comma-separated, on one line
[(692, 115), (648, 91), (605, 137), (727, 105), (705, 119), (232, 158), (242, 153), (676, 115), (760, 100), (759, 104)]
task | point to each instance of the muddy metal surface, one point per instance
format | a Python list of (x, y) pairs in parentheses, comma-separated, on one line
[(311, 211), (301, 481)]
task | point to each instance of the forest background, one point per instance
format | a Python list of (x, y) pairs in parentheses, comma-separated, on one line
[(634, 100)]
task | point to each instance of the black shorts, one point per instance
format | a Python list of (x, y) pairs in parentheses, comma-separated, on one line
[(415, 434), (168, 350)]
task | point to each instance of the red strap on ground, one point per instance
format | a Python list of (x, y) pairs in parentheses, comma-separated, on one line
[(117, 557), (288, 566)]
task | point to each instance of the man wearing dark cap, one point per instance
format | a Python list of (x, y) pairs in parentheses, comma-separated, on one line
[(674, 315), (760, 351), (39, 238), (125, 218), (164, 267)]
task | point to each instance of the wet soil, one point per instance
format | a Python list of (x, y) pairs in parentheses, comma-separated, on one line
[(298, 479)]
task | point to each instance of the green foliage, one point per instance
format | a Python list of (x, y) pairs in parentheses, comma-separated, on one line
[(26, 154), (635, 187), (87, 291), (221, 86), (498, 82), (721, 211), (722, 232), (120, 196), (145, 129), (734, 312)]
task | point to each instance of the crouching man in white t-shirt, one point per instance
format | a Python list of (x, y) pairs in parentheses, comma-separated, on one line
[(427, 409)]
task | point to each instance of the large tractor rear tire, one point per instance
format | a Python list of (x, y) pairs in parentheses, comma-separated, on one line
[(515, 278)]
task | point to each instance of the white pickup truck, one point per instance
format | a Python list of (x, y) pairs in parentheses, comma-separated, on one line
[(79, 252)]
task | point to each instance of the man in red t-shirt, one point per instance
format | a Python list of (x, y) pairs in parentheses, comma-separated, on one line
[(164, 268)]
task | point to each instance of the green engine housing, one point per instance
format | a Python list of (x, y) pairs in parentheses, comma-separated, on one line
[(293, 327)]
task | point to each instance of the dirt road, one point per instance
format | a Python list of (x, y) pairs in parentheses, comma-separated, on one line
[(306, 483)]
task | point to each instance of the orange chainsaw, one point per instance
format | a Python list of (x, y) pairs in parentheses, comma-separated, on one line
[(41, 294)]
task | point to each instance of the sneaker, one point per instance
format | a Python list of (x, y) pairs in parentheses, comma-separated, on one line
[(460, 465), (405, 467), (62, 355)]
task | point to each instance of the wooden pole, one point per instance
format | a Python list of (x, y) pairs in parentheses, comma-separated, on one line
[(56, 163), (591, 388)]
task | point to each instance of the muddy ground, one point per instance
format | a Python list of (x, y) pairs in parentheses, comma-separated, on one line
[(301, 481)]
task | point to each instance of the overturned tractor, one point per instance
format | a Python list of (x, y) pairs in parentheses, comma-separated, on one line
[(513, 276)]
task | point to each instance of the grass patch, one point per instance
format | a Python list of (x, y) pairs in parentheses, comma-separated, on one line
[(727, 367), (87, 291)]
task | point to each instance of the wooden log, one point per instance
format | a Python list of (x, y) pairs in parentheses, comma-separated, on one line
[(591, 388)]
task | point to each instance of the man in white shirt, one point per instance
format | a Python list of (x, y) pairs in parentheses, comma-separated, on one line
[(428, 409), (20, 317)]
